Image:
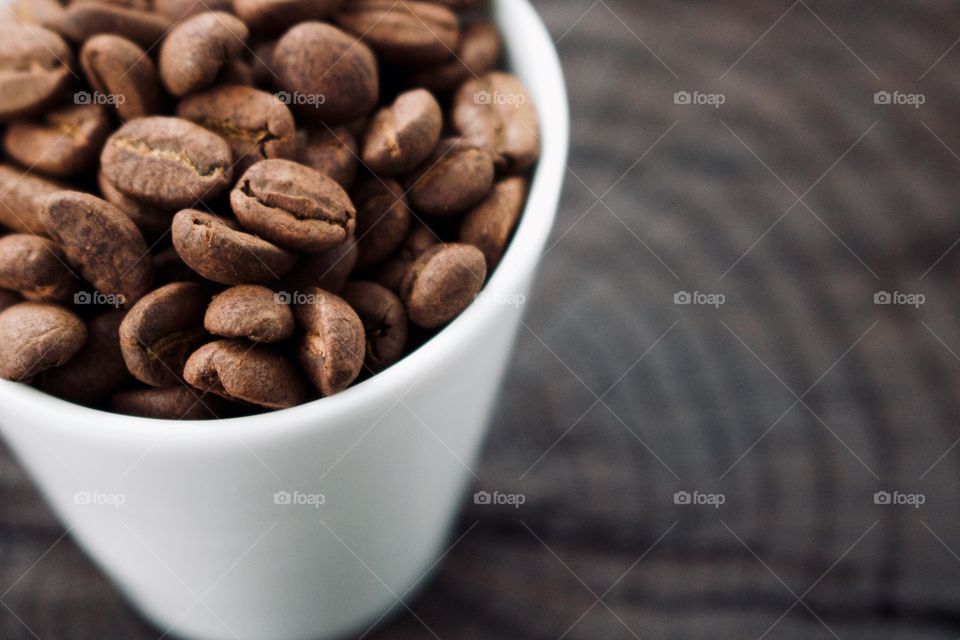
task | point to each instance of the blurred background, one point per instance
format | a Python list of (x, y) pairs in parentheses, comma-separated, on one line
[(732, 412)]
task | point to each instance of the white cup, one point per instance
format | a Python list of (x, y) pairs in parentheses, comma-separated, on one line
[(316, 521)]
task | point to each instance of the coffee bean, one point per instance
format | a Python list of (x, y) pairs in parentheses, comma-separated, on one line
[(36, 268), (383, 220), (489, 225), (34, 70), (331, 75), (8, 299), (332, 152), (404, 134), (392, 272), (103, 242), (455, 177), (197, 50), (294, 206), (97, 370), (328, 270), (83, 19), (404, 32), (333, 347), (162, 330), (167, 162), (250, 311), (253, 122), (480, 48), (171, 403), (384, 321), (178, 10), (152, 221), (443, 282), (276, 15), (495, 113), (41, 12), (243, 372), (63, 143), (37, 336), (217, 250), (123, 74), (24, 196)]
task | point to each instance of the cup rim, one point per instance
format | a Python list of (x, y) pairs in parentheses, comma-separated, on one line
[(532, 55)]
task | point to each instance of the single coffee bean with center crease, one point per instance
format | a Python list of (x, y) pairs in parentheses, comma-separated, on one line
[(403, 32), (85, 18), (404, 134), (37, 336), (170, 163), (250, 311), (480, 48), (218, 251), (384, 321), (334, 342), (495, 113), (333, 76), (170, 403), (123, 72), (328, 270), (96, 236), (198, 49), (272, 16), (294, 206), (64, 142), (24, 196), (332, 152), (243, 372), (383, 219), (489, 225), (36, 268), (34, 70), (254, 123), (443, 282), (97, 370), (455, 177), (152, 221), (162, 330)]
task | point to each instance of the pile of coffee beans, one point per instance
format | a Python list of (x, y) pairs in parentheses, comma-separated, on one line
[(217, 208)]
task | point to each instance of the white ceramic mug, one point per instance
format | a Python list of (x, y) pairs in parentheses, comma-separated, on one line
[(312, 522)]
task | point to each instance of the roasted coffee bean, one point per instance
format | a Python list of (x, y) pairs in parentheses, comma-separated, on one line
[(480, 48), (277, 15), (23, 200), (244, 372), (217, 250), (34, 70), (294, 206), (64, 142), (404, 134), (36, 268), (103, 242), (85, 18), (162, 330), (171, 403), (254, 123), (37, 336), (333, 347), (152, 221), (198, 49), (455, 177), (489, 225), (250, 311), (167, 162), (495, 113), (97, 370), (8, 299), (41, 12), (383, 219), (404, 32), (443, 282), (384, 321), (177, 10), (331, 75), (332, 152), (392, 272), (123, 74), (328, 270)]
